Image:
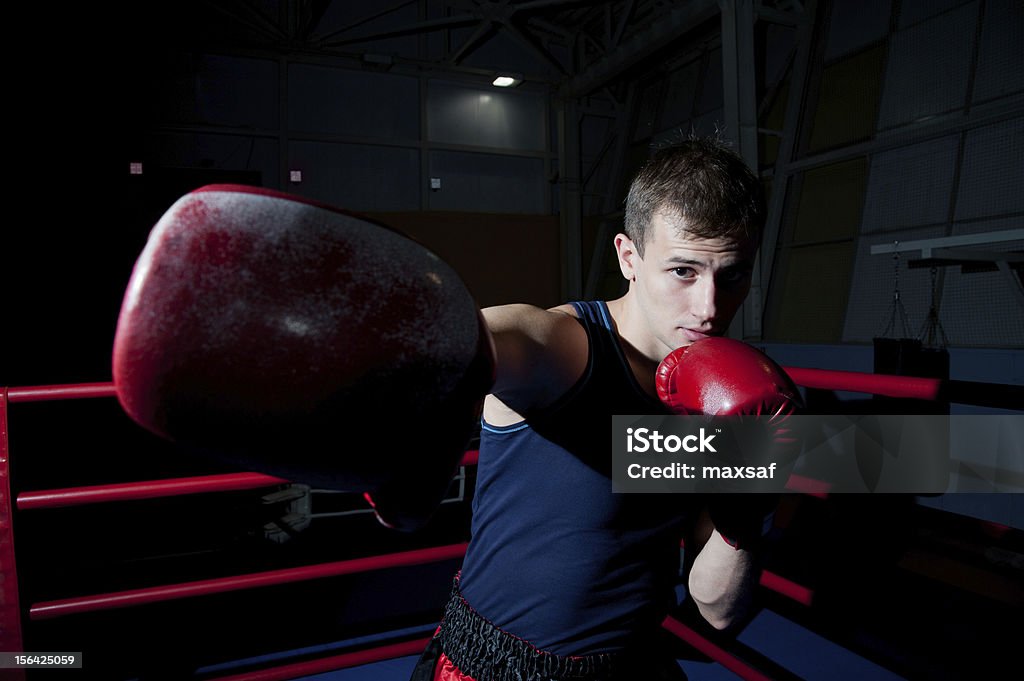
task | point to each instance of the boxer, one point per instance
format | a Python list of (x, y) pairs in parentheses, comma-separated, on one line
[(562, 578), (266, 328)]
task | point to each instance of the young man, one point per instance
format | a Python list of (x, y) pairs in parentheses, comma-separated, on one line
[(564, 579)]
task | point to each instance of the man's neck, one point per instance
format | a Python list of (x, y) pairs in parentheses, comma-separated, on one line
[(624, 321)]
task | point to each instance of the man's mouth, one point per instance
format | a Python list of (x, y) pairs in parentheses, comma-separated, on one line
[(694, 336)]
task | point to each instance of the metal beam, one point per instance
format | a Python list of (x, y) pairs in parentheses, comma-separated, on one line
[(776, 16), (570, 200), (624, 18), (932, 256), (739, 82), (979, 116), (411, 66), (533, 45), (262, 133), (254, 20), (739, 89), (976, 261), (926, 245), (419, 27), (787, 147), (658, 35), (491, 14), (470, 43), (366, 19), (423, 152), (283, 141), (316, 11), (613, 216), (542, 4), (1013, 282), (769, 95), (553, 30)]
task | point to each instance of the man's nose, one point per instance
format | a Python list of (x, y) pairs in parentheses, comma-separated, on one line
[(706, 305)]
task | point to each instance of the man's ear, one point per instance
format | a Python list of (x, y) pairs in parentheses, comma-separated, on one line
[(628, 257)]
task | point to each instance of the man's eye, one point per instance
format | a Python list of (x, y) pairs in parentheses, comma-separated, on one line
[(733, 277), (685, 272)]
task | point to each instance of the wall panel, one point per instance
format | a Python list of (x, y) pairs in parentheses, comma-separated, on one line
[(358, 177), (353, 103), (855, 24), (458, 114), (910, 186), (1000, 66), (993, 171), (929, 66), (488, 183)]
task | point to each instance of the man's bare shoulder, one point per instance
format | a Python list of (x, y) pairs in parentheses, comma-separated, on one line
[(540, 352), (567, 308), (529, 319)]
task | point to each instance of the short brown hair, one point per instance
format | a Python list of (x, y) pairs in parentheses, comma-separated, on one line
[(705, 183)]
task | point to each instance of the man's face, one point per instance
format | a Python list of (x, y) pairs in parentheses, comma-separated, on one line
[(686, 288)]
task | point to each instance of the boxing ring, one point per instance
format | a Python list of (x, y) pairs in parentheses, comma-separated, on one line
[(18, 619)]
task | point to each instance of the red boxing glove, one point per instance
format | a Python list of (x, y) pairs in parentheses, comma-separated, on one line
[(294, 339), (725, 377)]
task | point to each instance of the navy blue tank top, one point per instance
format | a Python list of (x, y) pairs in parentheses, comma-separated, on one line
[(556, 558)]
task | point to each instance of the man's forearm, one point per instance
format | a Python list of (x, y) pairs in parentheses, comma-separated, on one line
[(722, 581)]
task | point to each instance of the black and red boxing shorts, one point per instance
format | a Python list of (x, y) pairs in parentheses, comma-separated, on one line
[(467, 647)]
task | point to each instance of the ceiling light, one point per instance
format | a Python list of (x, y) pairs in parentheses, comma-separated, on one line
[(506, 81)]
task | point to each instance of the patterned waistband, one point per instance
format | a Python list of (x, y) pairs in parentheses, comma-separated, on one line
[(486, 653)]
